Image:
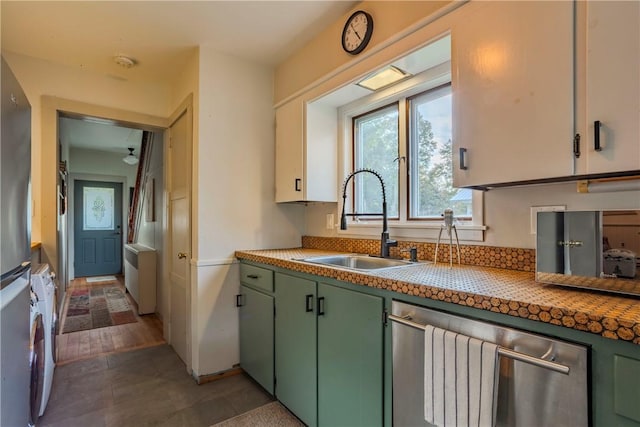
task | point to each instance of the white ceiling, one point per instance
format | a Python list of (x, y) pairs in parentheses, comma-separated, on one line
[(93, 135), (159, 35)]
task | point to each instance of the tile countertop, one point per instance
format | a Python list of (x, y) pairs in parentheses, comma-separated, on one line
[(509, 292)]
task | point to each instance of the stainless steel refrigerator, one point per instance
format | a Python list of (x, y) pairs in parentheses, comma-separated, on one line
[(15, 255)]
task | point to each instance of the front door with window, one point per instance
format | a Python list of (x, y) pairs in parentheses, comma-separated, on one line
[(97, 228)]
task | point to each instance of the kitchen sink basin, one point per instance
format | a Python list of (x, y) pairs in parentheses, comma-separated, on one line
[(357, 262)]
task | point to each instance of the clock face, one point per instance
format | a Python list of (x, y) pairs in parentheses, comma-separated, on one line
[(357, 32)]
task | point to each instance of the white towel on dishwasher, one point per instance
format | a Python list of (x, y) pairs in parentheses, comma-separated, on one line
[(460, 379)]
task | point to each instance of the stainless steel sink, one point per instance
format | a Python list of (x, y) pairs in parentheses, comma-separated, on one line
[(357, 262)]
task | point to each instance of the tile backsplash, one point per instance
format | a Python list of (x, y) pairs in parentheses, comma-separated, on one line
[(486, 256)]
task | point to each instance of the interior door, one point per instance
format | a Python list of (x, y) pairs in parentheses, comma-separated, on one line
[(180, 232), (97, 228)]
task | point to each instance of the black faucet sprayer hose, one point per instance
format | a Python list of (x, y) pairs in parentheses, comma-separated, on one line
[(385, 241)]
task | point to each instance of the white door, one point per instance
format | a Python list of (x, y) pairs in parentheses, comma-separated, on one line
[(180, 234)]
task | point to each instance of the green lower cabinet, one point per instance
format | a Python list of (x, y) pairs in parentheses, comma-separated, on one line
[(256, 336), (296, 349), (329, 353), (350, 358)]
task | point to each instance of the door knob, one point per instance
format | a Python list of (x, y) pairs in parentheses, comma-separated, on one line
[(182, 255)]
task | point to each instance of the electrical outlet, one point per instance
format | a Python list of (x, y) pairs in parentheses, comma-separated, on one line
[(330, 221), (536, 209)]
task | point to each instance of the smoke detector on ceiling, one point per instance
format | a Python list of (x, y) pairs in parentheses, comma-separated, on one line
[(124, 61)]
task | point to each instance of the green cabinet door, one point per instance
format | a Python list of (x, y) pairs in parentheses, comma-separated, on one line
[(256, 336), (350, 358), (296, 346)]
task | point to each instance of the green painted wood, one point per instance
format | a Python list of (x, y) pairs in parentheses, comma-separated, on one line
[(350, 358), (256, 277), (256, 336), (602, 350), (296, 347), (627, 387)]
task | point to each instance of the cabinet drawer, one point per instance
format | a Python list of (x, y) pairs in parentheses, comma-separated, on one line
[(256, 277)]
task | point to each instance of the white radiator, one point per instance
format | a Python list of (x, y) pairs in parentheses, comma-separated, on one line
[(140, 276)]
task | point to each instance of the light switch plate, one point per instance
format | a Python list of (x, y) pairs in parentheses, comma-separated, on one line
[(536, 209), (330, 221)]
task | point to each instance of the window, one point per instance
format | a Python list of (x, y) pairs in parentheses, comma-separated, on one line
[(405, 132), (430, 173), (375, 146), (424, 157)]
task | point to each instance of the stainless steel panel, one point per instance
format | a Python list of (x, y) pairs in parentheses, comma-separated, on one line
[(597, 250), (528, 395), (15, 171), (14, 352)]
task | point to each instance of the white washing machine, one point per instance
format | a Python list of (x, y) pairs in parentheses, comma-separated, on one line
[(37, 359), (43, 285)]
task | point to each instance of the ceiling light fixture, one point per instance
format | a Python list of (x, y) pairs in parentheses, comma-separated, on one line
[(130, 159), (124, 61), (383, 78)]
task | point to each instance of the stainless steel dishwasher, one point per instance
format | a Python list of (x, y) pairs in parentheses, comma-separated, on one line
[(543, 381)]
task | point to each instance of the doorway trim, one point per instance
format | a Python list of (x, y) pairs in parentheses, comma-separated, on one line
[(52, 108), (46, 195), (73, 177)]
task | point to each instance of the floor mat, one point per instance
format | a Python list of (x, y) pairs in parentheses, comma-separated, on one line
[(96, 308), (272, 414)]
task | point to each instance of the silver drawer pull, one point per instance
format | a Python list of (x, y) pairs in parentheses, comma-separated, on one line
[(570, 243)]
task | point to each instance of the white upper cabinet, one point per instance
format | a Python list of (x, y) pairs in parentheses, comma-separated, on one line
[(513, 80), (289, 151), (612, 88), (306, 152)]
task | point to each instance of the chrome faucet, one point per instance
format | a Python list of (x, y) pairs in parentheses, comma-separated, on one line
[(385, 242)]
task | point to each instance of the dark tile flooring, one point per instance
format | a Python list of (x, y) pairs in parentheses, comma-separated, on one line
[(148, 387)]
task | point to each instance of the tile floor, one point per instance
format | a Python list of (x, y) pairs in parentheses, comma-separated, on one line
[(147, 387)]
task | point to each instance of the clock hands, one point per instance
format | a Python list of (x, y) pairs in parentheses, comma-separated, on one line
[(355, 31)]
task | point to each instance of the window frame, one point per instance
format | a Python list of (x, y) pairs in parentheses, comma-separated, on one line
[(418, 230)]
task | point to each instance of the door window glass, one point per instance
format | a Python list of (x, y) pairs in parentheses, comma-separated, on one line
[(98, 208)]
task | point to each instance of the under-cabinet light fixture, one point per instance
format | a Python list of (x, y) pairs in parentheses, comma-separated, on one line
[(383, 78), (606, 186)]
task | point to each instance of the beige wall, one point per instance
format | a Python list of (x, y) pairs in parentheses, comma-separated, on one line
[(234, 208), (324, 56), (50, 87)]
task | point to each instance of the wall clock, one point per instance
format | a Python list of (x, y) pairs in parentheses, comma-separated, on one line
[(357, 32)]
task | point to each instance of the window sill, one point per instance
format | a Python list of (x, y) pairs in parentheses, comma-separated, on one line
[(411, 231)]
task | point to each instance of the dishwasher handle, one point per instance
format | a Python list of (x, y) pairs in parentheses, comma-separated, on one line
[(522, 357)]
